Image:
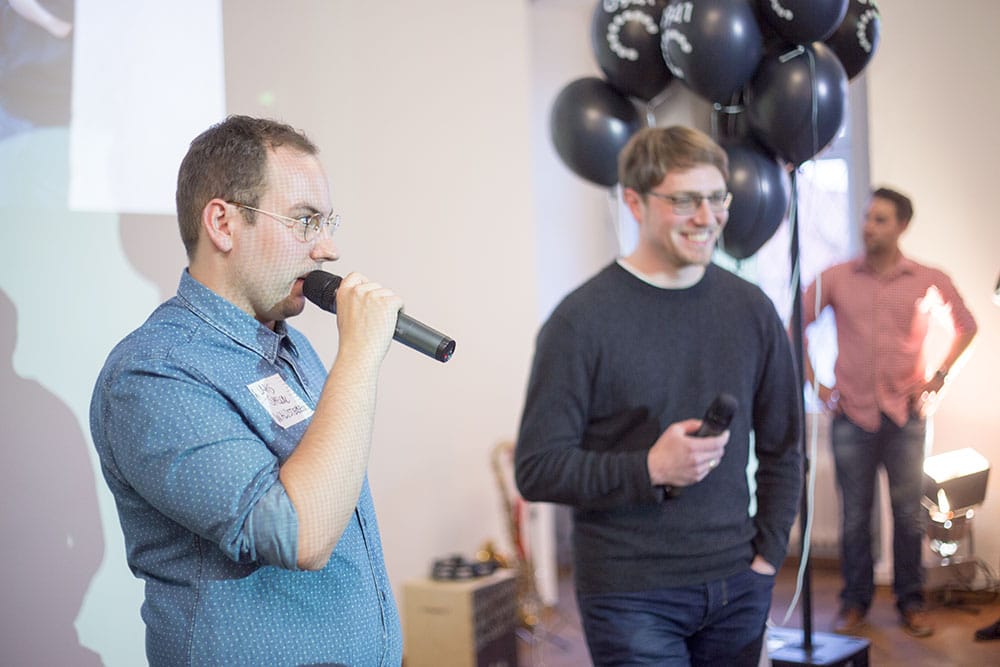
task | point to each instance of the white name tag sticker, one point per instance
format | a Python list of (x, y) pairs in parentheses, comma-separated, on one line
[(283, 404)]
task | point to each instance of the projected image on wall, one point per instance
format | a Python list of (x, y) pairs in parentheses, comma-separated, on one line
[(98, 101)]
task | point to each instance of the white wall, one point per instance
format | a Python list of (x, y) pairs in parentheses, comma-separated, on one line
[(932, 86), (422, 114)]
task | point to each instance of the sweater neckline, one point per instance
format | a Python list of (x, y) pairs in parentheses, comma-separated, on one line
[(648, 281)]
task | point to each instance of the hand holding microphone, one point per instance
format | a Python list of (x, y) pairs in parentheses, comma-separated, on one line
[(366, 316), (688, 450), (321, 287)]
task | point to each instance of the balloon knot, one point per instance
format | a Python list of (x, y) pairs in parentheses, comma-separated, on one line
[(794, 53)]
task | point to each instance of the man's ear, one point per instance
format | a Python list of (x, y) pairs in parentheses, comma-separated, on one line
[(635, 203), (217, 221)]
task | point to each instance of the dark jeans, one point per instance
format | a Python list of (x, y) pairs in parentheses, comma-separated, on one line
[(718, 623), (858, 455)]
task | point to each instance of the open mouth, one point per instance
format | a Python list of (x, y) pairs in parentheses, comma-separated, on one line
[(703, 236)]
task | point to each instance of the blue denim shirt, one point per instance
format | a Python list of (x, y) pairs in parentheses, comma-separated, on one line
[(192, 456)]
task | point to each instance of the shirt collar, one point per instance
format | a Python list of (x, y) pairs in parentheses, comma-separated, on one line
[(229, 320), (904, 265)]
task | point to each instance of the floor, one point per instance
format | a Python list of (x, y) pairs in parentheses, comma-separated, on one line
[(558, 641)]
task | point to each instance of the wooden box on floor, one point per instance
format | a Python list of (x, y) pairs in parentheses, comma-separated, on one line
[(460, 623)]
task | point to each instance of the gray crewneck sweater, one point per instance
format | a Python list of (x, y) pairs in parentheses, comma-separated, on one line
[(617, 362)]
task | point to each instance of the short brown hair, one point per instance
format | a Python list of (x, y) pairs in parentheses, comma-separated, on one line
[(229, 161), (654, 151), (904, 207)]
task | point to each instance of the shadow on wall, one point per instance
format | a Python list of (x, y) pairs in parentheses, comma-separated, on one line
[(52, 540), (152, 244)]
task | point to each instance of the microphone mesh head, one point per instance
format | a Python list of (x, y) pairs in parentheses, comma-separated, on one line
[(320, 287)]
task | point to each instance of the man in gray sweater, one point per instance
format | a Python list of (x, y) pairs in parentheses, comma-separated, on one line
[(675, 552)]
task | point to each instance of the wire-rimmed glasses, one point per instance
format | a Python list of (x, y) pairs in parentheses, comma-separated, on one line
[(307, 227), (686, 203)]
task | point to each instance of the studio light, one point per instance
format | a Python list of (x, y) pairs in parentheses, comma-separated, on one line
[(954, 483)]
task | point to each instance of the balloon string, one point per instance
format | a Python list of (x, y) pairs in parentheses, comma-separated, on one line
[(815, 102), (806, 537), (814, 112), (729, 108), (653, 103), (793, 222), (731, 111), (794, 53)]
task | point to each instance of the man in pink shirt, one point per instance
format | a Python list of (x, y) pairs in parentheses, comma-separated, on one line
[(882, 381)]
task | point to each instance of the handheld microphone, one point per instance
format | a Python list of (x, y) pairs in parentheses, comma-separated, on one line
[(717, 418), (320, 287)]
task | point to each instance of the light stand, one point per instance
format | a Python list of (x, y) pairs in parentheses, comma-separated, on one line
[(806, 647), (954, 483)]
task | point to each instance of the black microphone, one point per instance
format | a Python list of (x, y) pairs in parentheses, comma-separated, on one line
[(716, 420), (718, 416), (320, 287)]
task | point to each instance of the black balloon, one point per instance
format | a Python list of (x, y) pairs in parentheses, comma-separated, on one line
[(626, 42), (803, 21), (760, 198), (590, 124), (856, 39), (771, 37), (797, 101), (712, 45)]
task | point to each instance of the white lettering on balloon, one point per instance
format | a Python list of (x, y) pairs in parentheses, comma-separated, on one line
[(867, 17), (674, 35), (615, 5), (615, 28), (679, 13), (782, 12)]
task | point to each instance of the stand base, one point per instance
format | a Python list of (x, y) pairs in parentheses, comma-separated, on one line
[(785, 648), (950, 573)]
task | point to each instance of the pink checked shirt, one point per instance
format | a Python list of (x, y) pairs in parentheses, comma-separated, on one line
[(880, 333)]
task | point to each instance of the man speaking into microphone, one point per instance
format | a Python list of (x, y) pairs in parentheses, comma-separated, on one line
[(237, 462)]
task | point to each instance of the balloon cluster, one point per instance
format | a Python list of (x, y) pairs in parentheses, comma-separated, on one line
[(776, 70)]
